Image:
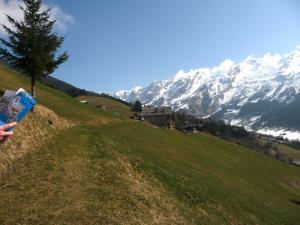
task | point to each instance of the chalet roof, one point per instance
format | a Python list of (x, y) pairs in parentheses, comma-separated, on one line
[(152, 111)]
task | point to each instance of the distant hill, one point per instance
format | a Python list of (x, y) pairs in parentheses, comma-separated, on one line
[(65, 87), (73, 91), (101, 168)]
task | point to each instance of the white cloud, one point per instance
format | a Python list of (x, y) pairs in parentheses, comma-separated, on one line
[(11, 7), (62, 19)]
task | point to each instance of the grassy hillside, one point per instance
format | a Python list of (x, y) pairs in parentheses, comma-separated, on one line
[(108, 170), (111, 105), (57, 101)]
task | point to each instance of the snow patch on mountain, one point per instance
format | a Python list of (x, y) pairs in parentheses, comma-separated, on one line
[(291, 135)]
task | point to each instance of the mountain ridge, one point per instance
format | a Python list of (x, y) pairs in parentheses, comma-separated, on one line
[(257, 93)]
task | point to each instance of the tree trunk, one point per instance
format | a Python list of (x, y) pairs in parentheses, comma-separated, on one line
[(33, 89)]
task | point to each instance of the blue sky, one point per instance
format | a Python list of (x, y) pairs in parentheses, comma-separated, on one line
[(119, 44)]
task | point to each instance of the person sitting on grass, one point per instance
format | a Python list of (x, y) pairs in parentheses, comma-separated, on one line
[(4, 134)]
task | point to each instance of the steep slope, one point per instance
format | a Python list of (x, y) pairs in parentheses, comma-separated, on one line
[(109, 170), (36, 129), (128, 173), (60, 103), (256, 93), (58, 111)]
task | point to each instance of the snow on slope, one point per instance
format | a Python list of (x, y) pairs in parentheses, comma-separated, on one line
[(252, 93), (292, 135)]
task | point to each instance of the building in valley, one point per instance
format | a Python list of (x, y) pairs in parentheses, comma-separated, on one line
[(159, 116)]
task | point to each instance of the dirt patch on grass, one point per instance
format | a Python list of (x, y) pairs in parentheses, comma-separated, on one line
[(151, 197), (55, 121), (217, 214), (296, 202), (124, 195), (31, 133)]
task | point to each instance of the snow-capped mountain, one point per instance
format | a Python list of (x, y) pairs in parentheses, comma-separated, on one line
[(260, 93)]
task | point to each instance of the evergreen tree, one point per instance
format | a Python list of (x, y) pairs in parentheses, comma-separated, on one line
[(32, 45), (137, 106)]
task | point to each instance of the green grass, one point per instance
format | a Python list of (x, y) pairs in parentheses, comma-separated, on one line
[(57, 101), (126, 172), (110, 104), (205, 172)]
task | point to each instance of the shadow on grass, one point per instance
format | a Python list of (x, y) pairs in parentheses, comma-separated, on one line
[(295, 202)]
